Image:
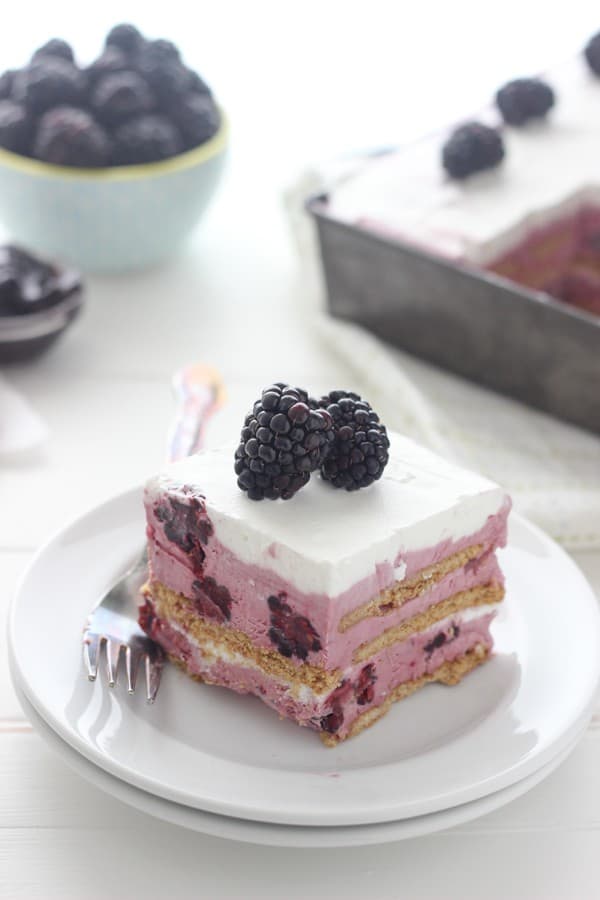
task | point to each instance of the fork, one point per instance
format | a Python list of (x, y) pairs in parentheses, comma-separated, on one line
[(112, 623)]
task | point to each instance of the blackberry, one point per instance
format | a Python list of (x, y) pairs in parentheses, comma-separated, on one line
[(147, 618), (364, 689), (334, 721), (341, 695), (283, 440), (440, 639), (197, 118), (212, 600), (162, 50), (55, 47), (435, 643), (293, 635), (6, 83), (169, 80), (524, 99), (126, 37), (472, 148), (110, 61), (197, 85), (119, 97), (359, 452), (71, 137), (145, 139), (591, 52), (48, 82), (15, 127), (185, 526)]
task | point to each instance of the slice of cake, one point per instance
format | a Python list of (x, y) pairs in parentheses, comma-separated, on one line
[(332, 606)]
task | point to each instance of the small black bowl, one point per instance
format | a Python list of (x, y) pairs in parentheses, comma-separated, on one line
[(27, 334)]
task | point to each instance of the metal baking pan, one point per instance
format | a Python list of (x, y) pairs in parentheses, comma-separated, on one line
[(515, 340)]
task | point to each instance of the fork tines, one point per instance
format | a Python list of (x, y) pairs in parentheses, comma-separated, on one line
[(143, 651)]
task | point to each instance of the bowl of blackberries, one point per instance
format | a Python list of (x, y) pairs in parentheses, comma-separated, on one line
[(38, 301), (108, 166)]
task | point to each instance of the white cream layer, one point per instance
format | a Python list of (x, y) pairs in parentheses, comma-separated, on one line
[(325, 540), (463, 616), (550, 167)]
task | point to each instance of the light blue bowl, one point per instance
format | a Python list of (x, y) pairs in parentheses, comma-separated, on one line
[(109, 220)]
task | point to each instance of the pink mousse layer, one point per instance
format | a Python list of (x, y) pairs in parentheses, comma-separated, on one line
[(364, 685), (223, 587), (562, 258)]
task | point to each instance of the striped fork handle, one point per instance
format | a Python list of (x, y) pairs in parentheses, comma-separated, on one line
[(199, 392)]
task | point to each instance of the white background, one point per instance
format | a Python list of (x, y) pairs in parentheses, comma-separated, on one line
[(300, 81)]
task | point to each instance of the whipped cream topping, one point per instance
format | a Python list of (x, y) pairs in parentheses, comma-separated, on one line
[(550, 169), (325, 540)]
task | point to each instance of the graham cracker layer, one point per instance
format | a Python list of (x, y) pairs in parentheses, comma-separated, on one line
[(395, 596), (477, 596), (448, 673), (174, 607)]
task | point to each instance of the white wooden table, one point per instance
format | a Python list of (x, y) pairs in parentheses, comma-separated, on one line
[(235, 299)]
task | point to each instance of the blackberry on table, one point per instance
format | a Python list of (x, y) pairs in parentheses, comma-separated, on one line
[(359, 452), (55, 47), (126, 37), (49, 81), (67, 136), (197, 118), (15, 127), (524, 99), (472, 148), (145, 139), (283, 440), (119, 97), (591, 52)]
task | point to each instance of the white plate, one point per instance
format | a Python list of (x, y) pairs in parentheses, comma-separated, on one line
[(304, 836), (208, 748)]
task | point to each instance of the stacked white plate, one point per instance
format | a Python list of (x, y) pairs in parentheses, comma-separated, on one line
[(207, 759)]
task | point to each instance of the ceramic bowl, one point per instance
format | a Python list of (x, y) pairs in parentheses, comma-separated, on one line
[(111, 219)]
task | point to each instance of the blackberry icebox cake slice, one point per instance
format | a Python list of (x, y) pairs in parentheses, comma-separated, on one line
[(333, 606)]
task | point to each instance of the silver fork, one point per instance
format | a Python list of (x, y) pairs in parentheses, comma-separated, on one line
[(112, 624)]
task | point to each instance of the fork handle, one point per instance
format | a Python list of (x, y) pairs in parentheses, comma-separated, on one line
[(199, 392)]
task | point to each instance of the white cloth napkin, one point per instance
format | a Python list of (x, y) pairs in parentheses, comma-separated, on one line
[(21, 428), (551, 469)]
